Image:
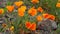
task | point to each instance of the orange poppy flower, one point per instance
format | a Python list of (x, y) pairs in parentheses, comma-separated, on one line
[(40, 9), (18, 4), (21, 14), (35, 1), (51, 17), (1, 11), (28, 24), (32, 11), (46, 15), (39, 18), (33, 26), (22, 9), (58, 4), (19, 10), (10, 8)]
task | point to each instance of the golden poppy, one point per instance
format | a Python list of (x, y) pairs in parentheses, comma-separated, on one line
[(52, 17), (35, 1), (58, 4), (18, 4), (1, 11), (28, 24), (39, 18), (33, 26), (32, 11), (22, 9), (10, 8), (46, 15), (40, 9), (21, 14)]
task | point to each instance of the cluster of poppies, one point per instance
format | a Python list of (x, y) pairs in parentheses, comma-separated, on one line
[(32, 12)]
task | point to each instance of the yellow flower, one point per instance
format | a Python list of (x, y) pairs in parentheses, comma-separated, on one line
[(11, 28), (1, 11), (18, 4)]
